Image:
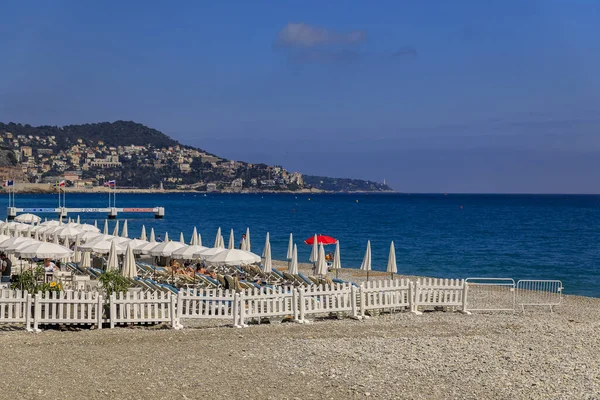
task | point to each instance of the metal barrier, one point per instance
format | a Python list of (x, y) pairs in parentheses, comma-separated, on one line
[(531, 292), (489, 294)]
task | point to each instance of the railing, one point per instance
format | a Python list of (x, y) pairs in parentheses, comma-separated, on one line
[(339, 298), (207, 304), (142, 308), (381, 295), (539, 293), (489, 294), (438, 293), (70, 308), (276, 302), (15, 307)]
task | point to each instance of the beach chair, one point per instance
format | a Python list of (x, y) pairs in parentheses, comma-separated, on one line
[(303, 278)]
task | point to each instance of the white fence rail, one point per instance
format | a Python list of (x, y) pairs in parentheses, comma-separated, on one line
[(70, 308), (539, 293), (489, 294), (277, 302), (142, 308), (431, 292), (207, 304), (15, 308), (338, 298), (388, 294)]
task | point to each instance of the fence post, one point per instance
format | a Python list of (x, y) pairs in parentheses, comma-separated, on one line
[(173, 315), (295, 304), (413, 296), (464, 299), (241, 310), (179, 309), (99, 311), (362, 300), (353, 301), (302, 320), (235, 311), (28, 304), (37, 312), (113, 310)]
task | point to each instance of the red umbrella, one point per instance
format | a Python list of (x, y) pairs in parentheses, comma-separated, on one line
[(321, 239)]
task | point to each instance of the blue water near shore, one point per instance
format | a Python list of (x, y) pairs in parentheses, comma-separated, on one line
[(453, 236)]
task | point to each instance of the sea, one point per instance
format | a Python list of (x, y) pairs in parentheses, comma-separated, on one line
[(448, 236)]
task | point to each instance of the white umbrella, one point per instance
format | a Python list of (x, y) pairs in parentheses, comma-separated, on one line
[(76, 251), (366, 264), (129, 269), (50, 223), (267, 264), (152, 239), (337, 263), (9, 242), (67, 232), (55, 241), (105, 230), (204, 254), (66, 244), (45, 250), (3, 238), (166, 237), (116, 230), (244, 246), (78, 220), (103, 246), (194, 241), (36, 235), (89, 236), (314, 254), (188, 252), (27, 218), (13, 248), (88, 228), (392, 268), (199, 241), (218, 238), (44, 237), (165, 249), (86, 259), (267, 241), (248, 248), (321, 263), (290, 247), (96, 224), (181, 238), (113, 262), (135, 243), (125, 231), (233, 257), (143, 235), (293, 267), (231, 244)]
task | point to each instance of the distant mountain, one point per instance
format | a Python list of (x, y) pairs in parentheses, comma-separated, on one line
[(139, 156)]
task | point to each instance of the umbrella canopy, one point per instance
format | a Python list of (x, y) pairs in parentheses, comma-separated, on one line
[(28, 218), (181, 238), (366, 264), (321, 262), (116, 230), (12, 241), (113, 262), (233, 257), (392, 268), (267, 241), (67, 232), (321, 239), (290, 247), (231, 244), (248, 248), (194, 241), (78, 220), (125, 231), (337, 263), (204, 254), (129, 269), (267, 264), (96, 224), (293, 267), (87, 237), (45, 250), (143, 235), (86, 259), (152, 238), (13, 248), (218, 238), (188, 252), (105, 230), (165, 249), (76, 251), (50, 223), (104, 246), (88, 228), (314, 254), (166, 237)]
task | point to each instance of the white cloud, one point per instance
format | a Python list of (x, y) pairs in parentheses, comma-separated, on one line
[(304, 35)]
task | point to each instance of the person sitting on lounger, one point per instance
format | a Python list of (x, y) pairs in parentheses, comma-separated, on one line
[(49, 266)]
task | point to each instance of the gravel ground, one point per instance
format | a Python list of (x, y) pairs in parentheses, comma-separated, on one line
[(536, 355)]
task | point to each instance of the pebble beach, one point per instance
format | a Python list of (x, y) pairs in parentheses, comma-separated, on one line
[(501, 355)]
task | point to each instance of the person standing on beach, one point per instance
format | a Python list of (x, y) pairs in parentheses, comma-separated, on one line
[(159, 239), (242, 241), (6, 268)]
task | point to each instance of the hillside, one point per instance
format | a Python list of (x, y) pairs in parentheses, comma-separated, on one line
[(138, 156)]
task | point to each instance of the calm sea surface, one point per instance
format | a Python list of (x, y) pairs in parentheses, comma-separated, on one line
[(453, 236)]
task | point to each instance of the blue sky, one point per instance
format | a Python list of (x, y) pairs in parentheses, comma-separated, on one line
[(438, 96)]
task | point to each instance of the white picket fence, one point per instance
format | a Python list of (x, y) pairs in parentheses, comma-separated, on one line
[(297, 304), (389, 294), (143, 308), (73, 308), (207, 304)]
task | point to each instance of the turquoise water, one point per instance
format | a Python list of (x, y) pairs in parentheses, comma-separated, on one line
[(517, 236)]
